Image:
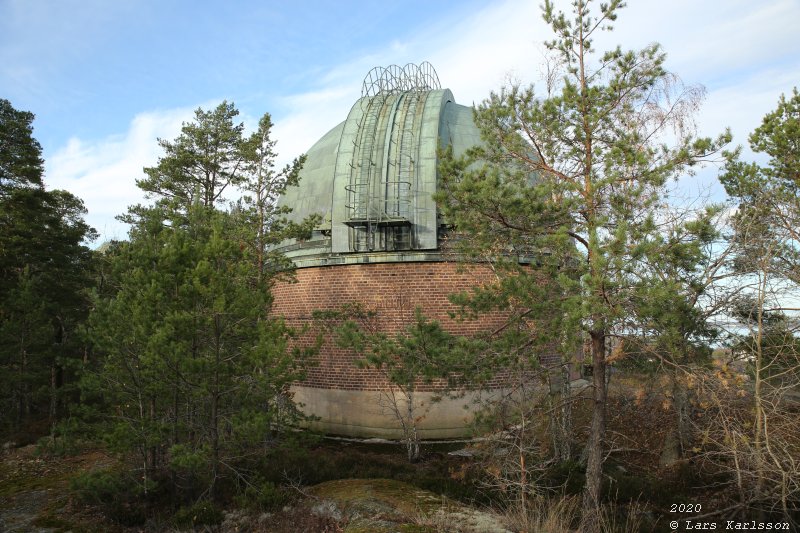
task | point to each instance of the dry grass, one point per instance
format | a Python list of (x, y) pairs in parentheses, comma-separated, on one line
[(631, 522), (562, 515), (557, 515)]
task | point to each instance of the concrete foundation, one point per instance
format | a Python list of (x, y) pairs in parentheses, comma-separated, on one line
[(369, 413)]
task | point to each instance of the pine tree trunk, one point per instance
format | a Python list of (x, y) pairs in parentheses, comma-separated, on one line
[(53, 411), (19, 389), (25, 390), (560, 413), (55, 376), (215, 401), (152, 450), (412, 437), (214, 443), (590, 521), (680, 394)]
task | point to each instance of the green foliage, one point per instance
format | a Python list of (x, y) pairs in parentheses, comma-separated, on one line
[(420, 353), (191, 358), (768, 212), (195, 373), (263, 224), (584, 218), (122, 499), (766, 243), (201, 163), (99, 486), (20, 154), (44, 273), (264, 496), (779, 138), (202, 513), (571, 180), (183, 458), (66, 437)]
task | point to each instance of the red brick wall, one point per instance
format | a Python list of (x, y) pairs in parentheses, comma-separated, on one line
[(393, 290)]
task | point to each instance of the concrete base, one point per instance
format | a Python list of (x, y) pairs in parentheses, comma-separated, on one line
[(371, 414)]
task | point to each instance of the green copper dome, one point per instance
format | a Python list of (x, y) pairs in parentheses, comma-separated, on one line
[(372, 177)]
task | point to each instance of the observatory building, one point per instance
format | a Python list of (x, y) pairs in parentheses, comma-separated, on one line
[(380, 244)]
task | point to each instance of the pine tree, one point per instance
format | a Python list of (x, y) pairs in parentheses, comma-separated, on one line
[(765, 259), (20, 154), (191, 358), (204, 161), (420, 353), (44, 277), (574, 179), (262, 218), (195, 369)]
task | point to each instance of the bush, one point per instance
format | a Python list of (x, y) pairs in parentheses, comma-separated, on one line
[(264, 496), (99, 487), (51, 445), (566, 476), (202, 513), (115, 493), (628, 487)]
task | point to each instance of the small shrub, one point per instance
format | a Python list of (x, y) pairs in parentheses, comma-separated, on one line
[(99, 487), (202, 513), (55, 446), (568, 476), (264, 496), (66, 437), (625, 487), (115, 493)]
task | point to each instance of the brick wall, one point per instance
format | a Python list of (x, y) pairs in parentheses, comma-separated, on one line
[(393, 291)]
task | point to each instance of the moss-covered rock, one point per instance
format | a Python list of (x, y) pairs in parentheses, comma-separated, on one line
[(378, 505)]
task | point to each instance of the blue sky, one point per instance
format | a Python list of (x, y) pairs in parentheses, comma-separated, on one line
[(106, 78)]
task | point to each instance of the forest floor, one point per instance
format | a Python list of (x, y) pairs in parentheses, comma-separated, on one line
[(35, 496), (339, 487)]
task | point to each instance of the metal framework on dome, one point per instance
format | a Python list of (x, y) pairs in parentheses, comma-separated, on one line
[(383, 166), (396, 79)]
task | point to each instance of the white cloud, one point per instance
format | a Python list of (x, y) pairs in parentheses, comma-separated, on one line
[(707, 40), (103, 172), (309, 116), (745, 52), (504, 42), (739, 106), (472, 57), (742, 104)]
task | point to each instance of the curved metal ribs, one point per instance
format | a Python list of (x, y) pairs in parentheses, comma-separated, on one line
[(383, 169)]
